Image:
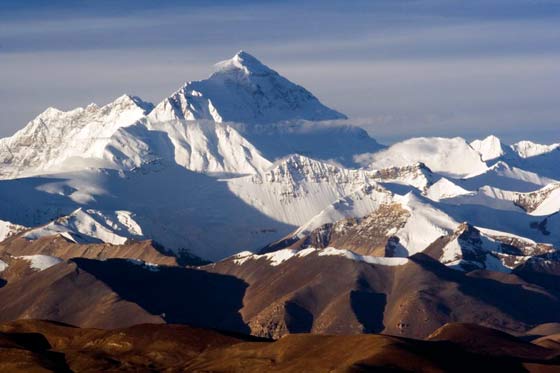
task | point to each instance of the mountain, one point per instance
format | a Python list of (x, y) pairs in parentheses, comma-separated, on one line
[(188, 128), (468, 248), (296, 188), (504, 176), (525, 155), (529, 149), (243, 90), (489, 148), (275, 218), (276, 116), (44, 144), (201, 146), (91, 226), (336, 292), (410, 222)]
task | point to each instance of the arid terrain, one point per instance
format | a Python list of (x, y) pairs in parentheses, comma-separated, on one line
[(43, 346)]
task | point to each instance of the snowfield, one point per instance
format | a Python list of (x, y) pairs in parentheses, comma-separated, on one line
[(41, 262), (245, 158), (278, 257)]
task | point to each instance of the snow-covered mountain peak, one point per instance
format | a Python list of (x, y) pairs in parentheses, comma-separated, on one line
[(488, 148), (246, 91), (527, 149), (49, 113), (245, 63), (56, 136), (92, 107), (87, 225), (127, 101), (444, 188)]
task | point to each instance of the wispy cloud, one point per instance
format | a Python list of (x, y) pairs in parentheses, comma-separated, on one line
[(399, 68)]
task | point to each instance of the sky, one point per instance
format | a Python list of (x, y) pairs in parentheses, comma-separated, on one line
[(398, 68)]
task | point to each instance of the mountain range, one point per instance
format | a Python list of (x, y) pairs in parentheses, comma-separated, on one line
[(267, 213)]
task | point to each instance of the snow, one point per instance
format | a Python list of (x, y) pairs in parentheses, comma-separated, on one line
[(425, 224), (550, 205), (330, 141), (489, 148), (417, 175), (452, 157), (297, 188), (527, 149), (274, 258), (208, 147), (357, 204), (8, 229), (246, 157), (3, 266), (278, 257), (488, 196), (481, 248), (502, 175), (444, 189), (85, 226), (58, 140), (41, 262), (331, 251)]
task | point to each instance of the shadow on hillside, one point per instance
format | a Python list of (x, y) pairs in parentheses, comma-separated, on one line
[(298, 319), (179, 295), (369, 308)]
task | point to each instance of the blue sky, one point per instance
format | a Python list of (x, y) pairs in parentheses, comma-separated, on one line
[(399, 68)]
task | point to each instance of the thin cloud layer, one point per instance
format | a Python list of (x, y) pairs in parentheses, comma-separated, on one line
[(399, 68)]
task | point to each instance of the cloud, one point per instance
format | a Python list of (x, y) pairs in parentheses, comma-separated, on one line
[(399, 68)]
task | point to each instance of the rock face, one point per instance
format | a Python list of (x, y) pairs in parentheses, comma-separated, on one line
[(468, 249), (370, 235)]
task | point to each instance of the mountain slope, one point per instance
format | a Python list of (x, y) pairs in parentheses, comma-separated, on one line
[(296, 188), (334, 292), (200, 146)]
